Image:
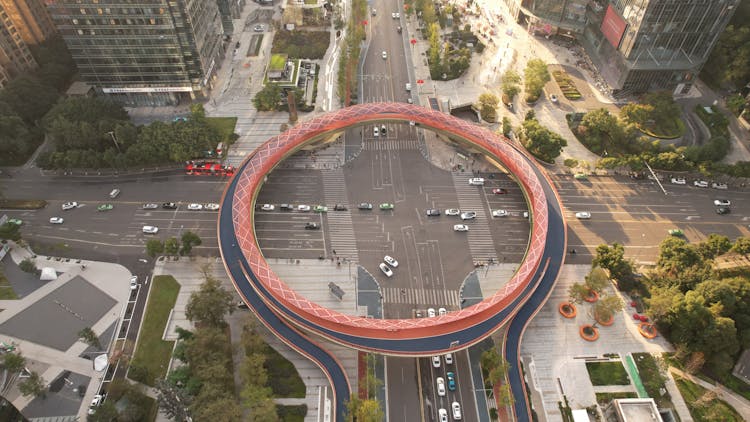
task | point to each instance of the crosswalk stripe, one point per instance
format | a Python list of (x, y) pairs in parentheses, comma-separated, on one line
[(340, 226), (481, 244), (426, 297), (390, 144)]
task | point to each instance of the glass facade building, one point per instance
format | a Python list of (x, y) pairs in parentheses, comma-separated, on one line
[(15, 56), (143, 52)]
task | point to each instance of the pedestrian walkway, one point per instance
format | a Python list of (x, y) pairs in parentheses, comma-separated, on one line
[(481, 244), (340, 226), (391, 145), (428, 297), (739, 403)]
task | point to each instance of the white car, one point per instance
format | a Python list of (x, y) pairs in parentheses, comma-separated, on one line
[(150, 206), (700, 183), (431, 312), (436, 361), (443, 415), (679, 180), (393, 15), (267, 207), (442, 311), (722, 186), (456, 408), (211, 206), (69, 205), (525, 214), (448, 358), (583, 215), (150, 229), (452, 211), (722, 202), (384, 268), (56, 220), (398, 15), (195, 207), (390, 261), (468, 215), (499, 213), (461, 228), (303, 208), (133, 282), (440, 386), (95, 403), (384, 55), (476, 181), (375, 132)]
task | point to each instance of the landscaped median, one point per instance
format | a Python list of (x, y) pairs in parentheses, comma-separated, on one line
[(152, 354), (22, 204)]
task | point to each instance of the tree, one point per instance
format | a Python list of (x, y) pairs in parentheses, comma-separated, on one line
[(189, 239), (597, 279), (172, 401), (509, 84), (607, 306), (505, 395), (535, 77), (171, 246), (578, 292), (258, 400), (507, 128), (10, 231), (268, 98), (363, 410), (107, 412), (741, 245), (613, 260), (487, 106), (89, 336), (540, 141), (210, 304), (154, 247), (601, 131), (14, 362), (28, 266), (714, 246), (34, 385)]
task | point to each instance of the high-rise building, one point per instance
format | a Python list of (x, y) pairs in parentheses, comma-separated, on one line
[(30, 18), (15, 56), (636, 45), (145, 53)]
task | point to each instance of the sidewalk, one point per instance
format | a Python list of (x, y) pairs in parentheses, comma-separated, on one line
[(739, 403)]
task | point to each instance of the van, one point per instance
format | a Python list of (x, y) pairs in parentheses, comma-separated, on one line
[(114, 193), (408, 87)]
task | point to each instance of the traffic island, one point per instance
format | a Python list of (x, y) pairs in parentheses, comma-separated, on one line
[(588, 332), (647, 330), (568, 310)]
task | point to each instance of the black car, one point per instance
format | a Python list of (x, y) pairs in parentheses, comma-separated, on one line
[(432, 212), (169, 206), (286, 207), (723, 210), (365, 206), (339, 207), (311, 226)]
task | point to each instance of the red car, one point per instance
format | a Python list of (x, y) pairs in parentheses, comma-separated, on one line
[(499, 191)]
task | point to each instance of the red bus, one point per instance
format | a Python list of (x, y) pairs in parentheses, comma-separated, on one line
[(208, 168)]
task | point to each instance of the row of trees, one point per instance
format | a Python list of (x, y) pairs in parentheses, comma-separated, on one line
[(727, 64), (350, 51), (125, 402), (445, 61), (172, 246), (34, 384), (367, 409)]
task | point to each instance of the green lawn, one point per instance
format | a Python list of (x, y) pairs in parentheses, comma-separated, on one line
[(152, 353), (277, 62), (224, 125), (291, 413), (607, 373), (707, 409), (605, 398), (6, 291)]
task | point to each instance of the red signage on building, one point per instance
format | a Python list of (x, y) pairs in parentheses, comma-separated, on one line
[(613, 26)]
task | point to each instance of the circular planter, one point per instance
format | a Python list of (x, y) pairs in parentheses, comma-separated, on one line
[(647, 330), (592, 297), (568, 310), (607, 322), (588, 332)]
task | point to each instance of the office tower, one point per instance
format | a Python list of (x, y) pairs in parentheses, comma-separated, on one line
[(15, 57), (30, 18), (636, 45), (146, 53)]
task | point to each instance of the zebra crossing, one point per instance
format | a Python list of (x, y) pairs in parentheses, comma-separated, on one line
[(390, 145), (429, 297), (340, 227), (481, 245)]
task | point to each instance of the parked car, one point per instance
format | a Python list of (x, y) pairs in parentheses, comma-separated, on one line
[(452, 211), (133, 282), (499, 213), (150, 206), (96, 402), (583, 215), (468, 215), (258, 28), (476, 181), (150, 229), (679, 180), (69, 206), (56, 220), (365, 206), (384, 268), (460, 228), (390, 261), (700, 183), (722, 186), (196, 207), (432, 212), (169, 206)]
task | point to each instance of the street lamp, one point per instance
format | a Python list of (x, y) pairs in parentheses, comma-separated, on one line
[(114, 139)]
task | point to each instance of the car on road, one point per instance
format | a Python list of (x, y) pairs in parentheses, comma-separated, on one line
[(431, 312), (311, 226), (442, 311), (390, 261), (384, 55), (15, 221), (476, 181), (468, 215), (723, 210), (583, 215), (198, 207), (460, 228), (580, 176), (443, 415), (448, 358), (211, 206), (452, 211), (150, 206), (451, 377), (286, 207), (56, 220), (436, 361), (499, 191), (69, 205), (456, 409), (721, 186), (169, 206), (382, 130), (393, 15), (525, 214), (384, 268), (105, 207), (267, 207), (386, 206), (339, 207), (303, 208), (133, 282), (722, 202), (150, 229), (96, 402), (499, 213), (258, 28), (364, 206), (375, 131), (320, 208), (700, 183), (432, 212), (679, 180), (440, 386), (675, 232)]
